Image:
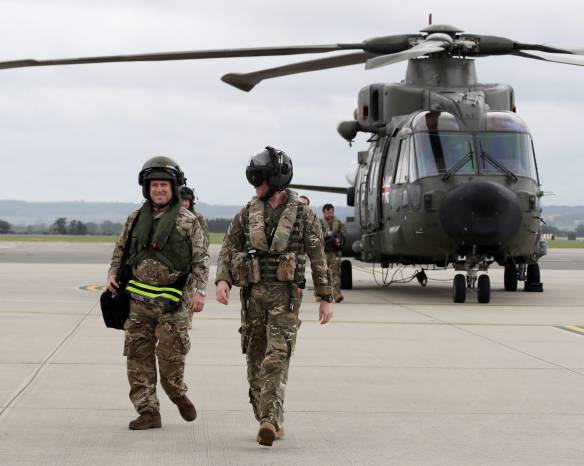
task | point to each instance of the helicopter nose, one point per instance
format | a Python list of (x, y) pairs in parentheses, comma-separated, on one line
[(480, 212)]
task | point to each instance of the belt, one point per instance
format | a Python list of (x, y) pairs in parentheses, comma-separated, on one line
[(156, 293)]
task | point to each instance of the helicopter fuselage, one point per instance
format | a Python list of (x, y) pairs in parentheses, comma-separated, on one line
[(450, 175)]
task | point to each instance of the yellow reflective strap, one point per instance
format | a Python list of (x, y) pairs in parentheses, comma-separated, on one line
[(153, 295), (155, 288)]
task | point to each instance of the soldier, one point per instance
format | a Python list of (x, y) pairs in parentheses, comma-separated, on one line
[(334, 233), (304, 200), (264, 253), (170, 267), (189, 199)]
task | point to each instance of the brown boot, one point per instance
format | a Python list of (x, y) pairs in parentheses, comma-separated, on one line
[(280, 433), (185, 408), (146, 421), (266, 434)]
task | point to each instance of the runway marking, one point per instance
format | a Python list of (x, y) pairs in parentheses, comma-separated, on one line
[(579, 329), (94, 288)]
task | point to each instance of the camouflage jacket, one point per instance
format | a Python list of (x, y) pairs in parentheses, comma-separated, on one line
[(332, 228), (155, 273), (234, 242), (204, 226)]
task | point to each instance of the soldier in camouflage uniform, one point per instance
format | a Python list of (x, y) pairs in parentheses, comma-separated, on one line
[(334, 233), (264, 253), (170, 267), (189, 199)]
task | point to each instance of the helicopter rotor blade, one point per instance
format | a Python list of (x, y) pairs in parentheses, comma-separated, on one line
[(188, 55), (419, 50), (568, 60), (247, 81), (322, 189), (550, 48)]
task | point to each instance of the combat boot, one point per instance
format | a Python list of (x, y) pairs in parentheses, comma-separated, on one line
[(185, 407), (266, 434), (146, 421), (280, 433)]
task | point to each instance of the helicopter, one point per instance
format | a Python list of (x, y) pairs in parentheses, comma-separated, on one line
[(450, 177)]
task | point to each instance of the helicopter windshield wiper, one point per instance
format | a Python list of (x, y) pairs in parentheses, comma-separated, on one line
[(496, 164), (458, 165)]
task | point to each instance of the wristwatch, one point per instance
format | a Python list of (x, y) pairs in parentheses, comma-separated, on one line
[(328, 298), (200, 292)]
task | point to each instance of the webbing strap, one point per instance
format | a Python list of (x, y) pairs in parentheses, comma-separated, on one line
[(151, 291)]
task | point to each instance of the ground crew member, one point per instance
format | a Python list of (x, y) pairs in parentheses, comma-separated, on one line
[(264, 253), (304, 200), (334, 233), (170, 267), (189, 199)]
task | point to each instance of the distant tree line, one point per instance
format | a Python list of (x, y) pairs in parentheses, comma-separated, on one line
[(63, 226)]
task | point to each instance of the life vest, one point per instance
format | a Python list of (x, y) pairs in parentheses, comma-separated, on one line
[(159, 239)]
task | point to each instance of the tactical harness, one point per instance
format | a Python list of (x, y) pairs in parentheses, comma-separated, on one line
[(285, 241)]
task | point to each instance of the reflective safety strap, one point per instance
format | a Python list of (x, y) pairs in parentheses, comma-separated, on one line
[(154, 292)]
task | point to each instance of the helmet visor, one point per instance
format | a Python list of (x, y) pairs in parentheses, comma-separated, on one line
[(256, 175), (160, 173)]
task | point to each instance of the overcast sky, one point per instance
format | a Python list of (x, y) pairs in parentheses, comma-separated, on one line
[(83, 132)]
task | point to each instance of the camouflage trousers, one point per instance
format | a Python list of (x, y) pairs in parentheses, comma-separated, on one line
[(152, 334), (333, 260), (268, 337)]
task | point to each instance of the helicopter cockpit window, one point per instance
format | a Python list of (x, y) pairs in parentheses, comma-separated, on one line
[(401, 171), (438, 153), (511, 151)]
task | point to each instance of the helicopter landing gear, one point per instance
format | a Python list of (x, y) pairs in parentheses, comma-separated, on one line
[(346, 275), (459, 288), (533, 279), (484, 289), (422, 277), (511, 277)]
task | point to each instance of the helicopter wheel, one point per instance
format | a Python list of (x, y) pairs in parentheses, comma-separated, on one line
[(346, 275), (533, 279), (484, 289), (510, 277), (459, 288)]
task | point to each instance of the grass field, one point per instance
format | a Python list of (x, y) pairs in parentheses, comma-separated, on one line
[(214, 238), (565, 244)]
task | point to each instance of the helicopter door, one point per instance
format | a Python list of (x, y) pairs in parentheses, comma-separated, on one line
[(373, 203)]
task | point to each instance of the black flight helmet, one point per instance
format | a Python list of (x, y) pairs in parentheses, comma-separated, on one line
[(188, 194), (271, 165), (161, 168)]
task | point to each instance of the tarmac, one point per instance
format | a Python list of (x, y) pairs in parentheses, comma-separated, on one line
[(402, 376)]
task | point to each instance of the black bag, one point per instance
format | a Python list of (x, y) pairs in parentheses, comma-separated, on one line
[(115, 307)]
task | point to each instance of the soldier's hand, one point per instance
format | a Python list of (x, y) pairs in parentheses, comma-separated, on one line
[(112, 284), (197, 303), (325, 312), (222, 292)]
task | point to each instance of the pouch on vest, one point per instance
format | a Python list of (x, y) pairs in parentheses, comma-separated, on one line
[(239, 270), (286, 270), (254, 270), (300, 268)]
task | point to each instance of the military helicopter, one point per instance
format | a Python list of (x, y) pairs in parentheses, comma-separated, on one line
[(450, 176)]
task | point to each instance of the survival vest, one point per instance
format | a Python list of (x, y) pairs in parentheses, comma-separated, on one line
[(286, 245)]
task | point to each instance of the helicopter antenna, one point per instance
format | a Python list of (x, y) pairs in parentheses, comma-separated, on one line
[(430, 19)]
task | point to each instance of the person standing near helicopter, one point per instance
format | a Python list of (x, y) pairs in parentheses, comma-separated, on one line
[(334, 233), (264, 253)]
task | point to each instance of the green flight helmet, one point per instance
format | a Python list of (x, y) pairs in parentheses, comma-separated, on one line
[(161, 168)]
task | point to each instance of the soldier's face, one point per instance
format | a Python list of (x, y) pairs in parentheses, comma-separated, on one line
[(329, 214), (185, 203), (262, 190), (160, 191)]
